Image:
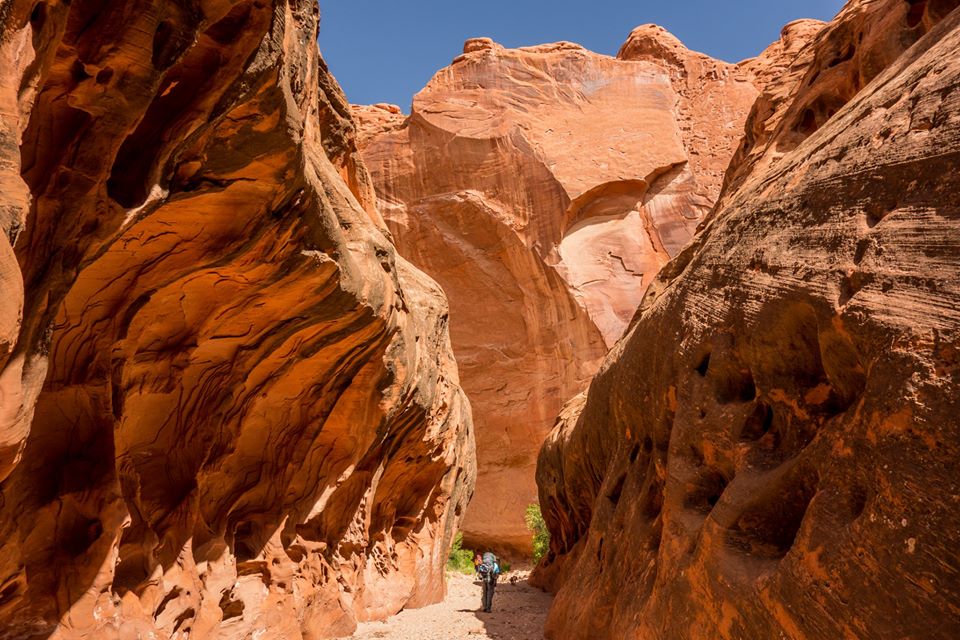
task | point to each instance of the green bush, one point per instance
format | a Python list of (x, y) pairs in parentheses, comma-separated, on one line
[(541, 535), (460, 559)]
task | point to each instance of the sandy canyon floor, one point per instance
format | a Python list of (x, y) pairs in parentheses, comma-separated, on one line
[(519, 613)]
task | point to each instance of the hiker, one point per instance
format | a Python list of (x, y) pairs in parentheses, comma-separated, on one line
[(477, 561), (489, 570)]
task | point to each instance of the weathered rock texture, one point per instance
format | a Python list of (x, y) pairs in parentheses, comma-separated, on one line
[(804, 86), (770, 451), (543, 188), (227, 408)]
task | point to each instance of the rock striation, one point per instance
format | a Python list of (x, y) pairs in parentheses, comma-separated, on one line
[(805, 86), (228, 409), (543, 188), (770, 449)]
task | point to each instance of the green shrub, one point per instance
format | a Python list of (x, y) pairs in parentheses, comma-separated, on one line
[(541, 535), (460, 559), (504, 566)]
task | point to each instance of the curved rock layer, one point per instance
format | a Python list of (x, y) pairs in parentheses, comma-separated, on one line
[(770, 451), (543, 188), (228, 408), (802, 87)]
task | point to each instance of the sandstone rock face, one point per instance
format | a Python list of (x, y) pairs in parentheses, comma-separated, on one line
[(712, 98), (543, 188), (804, 86), (20, 376), (227, 408), (770, 450)]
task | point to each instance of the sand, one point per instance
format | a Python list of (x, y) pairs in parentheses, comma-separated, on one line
[(519, 612)]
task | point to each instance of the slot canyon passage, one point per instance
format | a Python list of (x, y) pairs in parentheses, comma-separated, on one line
[(264, 353)]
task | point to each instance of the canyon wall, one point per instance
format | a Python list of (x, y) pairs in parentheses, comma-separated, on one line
[(228, 409), (543, 188), (770, 451)]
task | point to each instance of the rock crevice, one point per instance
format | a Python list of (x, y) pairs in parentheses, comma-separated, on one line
[(544, 187)]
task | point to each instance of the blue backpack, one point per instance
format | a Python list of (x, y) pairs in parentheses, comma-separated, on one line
[(490, 568)]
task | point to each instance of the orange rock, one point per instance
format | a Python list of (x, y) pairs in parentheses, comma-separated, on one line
[(818, 80), (543, 188), (713, 98), (20, 375), (771, 449), (228, 409)]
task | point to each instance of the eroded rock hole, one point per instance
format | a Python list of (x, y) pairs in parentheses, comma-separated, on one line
[(38, 164), (181, 92), (164, 46), (180, 102), (735, 386), (231, 607), (856, 83), (844, 371), (653, 500), (655, 537), (78, 72), (808, 122), (757, 424), (296, 552), (130, 573), (228, 29), (634, 453), (38, 17), (861, 251), (9, 592), (916, 12), (850, 285), (770, 526), (818, 112), (83, 533), (402, 528), (876, 212), (244, 547), (840, 58), (703, 365), (189, 614), (617, 489), (785, 353), (706, 490), (857, 501), (170, 597)]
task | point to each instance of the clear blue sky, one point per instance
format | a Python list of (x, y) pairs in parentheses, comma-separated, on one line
[(387, 50)]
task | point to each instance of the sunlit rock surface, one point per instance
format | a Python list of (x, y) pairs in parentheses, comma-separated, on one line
[(805, 86), (770, 451), (543, 188), (228, 409)]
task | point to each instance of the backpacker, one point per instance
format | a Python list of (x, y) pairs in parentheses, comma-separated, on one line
[(490, 568)]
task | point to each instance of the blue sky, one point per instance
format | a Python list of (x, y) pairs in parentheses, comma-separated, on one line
[(387, 50)]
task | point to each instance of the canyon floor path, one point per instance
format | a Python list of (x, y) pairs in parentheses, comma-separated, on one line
[(519, 613)]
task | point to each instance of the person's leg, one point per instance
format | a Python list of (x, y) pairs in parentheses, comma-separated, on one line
[(487, 596), (483, 600), (493, 587)]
